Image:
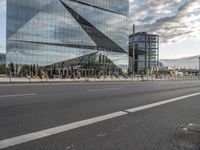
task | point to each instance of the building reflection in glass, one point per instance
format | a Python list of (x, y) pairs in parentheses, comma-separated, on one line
[(47, 32)]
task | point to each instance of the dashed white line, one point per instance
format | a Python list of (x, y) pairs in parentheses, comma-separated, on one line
[(132, 110), (52, 131), (105, 89), (56, 130), (18, 95)]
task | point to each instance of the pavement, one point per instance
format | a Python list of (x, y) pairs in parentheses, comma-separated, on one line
[(83, 79), (36, 80), (99, 116)]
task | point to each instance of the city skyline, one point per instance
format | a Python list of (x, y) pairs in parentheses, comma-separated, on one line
[(176, 21)]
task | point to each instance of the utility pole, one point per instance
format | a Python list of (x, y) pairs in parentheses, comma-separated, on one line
[(133, 61), (199, 67)]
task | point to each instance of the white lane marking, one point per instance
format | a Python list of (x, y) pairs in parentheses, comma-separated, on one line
[(66, 83), (52, 131), (33, 84), (132, 110), (105, 89), (56, 130), (18, 95)]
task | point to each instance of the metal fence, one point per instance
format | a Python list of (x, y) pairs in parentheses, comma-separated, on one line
[(11, 79)]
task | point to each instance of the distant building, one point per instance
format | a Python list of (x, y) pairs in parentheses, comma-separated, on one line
[(181, 63), (2, 59), (143, 52)]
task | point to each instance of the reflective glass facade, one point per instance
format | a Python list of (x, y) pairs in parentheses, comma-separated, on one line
[(51, 31), (145, 48), (2, 59)]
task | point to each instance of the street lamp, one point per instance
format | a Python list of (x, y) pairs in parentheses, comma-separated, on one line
[(199, 67)]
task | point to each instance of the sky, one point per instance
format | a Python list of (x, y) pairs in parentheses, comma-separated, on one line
[(176, 21)]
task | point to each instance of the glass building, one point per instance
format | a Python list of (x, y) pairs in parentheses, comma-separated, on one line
[(144, 52), (52, 32), (2, 59)]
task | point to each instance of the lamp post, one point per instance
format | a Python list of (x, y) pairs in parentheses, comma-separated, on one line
[(133, 57), (199, 67)]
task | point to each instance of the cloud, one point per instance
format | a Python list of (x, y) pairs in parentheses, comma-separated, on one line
[(2, 5), (173, 20), (2, 49)]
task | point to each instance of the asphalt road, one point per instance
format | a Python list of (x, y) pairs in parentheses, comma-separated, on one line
[(27, 110)]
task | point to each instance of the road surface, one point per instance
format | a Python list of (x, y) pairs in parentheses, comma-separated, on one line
[(99, 116)]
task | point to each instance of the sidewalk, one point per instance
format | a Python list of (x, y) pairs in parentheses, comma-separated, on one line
[(35, 80), (108, 79)]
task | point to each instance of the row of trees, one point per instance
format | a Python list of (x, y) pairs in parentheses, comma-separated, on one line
[(25, 70), (96, 65), (4, 69)]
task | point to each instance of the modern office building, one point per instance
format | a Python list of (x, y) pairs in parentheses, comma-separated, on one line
[(2, 59), (68, 33), (143, 52)]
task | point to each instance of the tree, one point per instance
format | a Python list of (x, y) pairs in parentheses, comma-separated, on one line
[(12, 69), (31, 71), (25, 70), (4, 69), (54, 69), (16, 68), (39, 72), (34, 70)]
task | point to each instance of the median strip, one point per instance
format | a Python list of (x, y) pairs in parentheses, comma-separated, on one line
[(60, 129)]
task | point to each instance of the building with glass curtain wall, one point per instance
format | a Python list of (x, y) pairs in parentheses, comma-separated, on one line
[(143, 52), (2, 59), (53, 32)]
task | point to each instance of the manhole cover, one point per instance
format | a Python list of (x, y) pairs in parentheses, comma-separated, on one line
[(186, 137), (191, 127)]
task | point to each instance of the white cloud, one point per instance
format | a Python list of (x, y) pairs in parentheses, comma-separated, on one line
[(2, 5), (173, 20), (2, 49)]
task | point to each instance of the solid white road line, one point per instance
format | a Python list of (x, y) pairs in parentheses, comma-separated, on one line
[(52, 131), (18, 95), (65, 83), (132, 110), (56, 130), (105, 89)]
